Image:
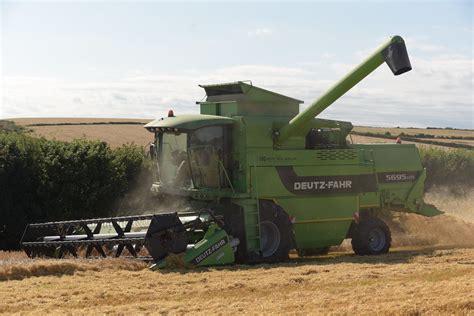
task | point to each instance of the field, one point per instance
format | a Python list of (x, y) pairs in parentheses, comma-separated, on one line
[(430, 270), (406, 281), (116, 135), (357, 139), (440, 138), (413, 131)]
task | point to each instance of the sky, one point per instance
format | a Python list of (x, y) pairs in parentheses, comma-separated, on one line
[(139, 59)]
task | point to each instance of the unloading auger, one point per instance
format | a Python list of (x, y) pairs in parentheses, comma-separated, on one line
[(260, 178)]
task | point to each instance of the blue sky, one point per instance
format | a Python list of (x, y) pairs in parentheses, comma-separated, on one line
[(109, 59)]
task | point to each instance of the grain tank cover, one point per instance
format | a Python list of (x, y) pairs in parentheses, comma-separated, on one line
[(242, 98)]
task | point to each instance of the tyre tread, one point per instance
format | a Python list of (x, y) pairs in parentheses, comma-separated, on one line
[(360, 243)]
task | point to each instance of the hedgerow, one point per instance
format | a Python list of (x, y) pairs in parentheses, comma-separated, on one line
[(48, 180), (448, 167), (419, 138)]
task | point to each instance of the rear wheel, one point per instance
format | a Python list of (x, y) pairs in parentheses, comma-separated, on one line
[(371, 236), (275, 233)]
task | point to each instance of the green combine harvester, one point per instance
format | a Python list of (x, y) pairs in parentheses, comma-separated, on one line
[(259, 179)]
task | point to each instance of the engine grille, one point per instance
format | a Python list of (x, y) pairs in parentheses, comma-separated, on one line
[(339, 154)]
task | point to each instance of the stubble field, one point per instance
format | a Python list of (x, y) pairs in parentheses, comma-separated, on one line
[(116, 135), (405, 281), (430, 270), (113, 134)]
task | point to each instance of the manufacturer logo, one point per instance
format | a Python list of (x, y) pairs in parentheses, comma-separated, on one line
[(209, 251), (310, 185), (321, 185)]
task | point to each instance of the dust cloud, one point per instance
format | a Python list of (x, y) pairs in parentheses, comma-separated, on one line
[(140, 200), (454, 228)]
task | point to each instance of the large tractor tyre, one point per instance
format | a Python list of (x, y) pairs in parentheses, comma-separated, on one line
[(235, 226), (276, 235), (313, 252), (371, 236)]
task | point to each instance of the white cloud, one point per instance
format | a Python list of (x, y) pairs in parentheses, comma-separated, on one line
[(438, 92), (415, 45), (260, 32), (424, 45)]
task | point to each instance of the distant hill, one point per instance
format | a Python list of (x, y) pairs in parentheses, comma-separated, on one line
[(121, 131)]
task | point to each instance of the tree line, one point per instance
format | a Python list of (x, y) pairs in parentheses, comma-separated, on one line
[(47, 180)]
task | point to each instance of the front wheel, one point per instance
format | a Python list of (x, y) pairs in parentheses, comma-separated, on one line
[(371, 236), (275, 233)]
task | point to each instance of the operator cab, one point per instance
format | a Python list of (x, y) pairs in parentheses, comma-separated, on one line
[(192, 152)]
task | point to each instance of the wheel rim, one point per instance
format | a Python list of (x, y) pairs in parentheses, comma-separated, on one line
[(377, 239), (269, 238)]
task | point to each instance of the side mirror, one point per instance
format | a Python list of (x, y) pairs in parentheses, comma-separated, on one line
[(152, 150)]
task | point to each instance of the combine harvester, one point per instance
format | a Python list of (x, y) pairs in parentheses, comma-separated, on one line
[(260, 179)]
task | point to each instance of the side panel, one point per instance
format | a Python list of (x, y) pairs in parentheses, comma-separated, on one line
[(398, 167), (320, 189), (320, 221)]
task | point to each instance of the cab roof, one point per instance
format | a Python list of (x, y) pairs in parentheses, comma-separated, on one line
[(187, 122)]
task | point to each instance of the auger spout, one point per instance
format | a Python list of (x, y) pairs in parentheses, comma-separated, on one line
[(393, 52)]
